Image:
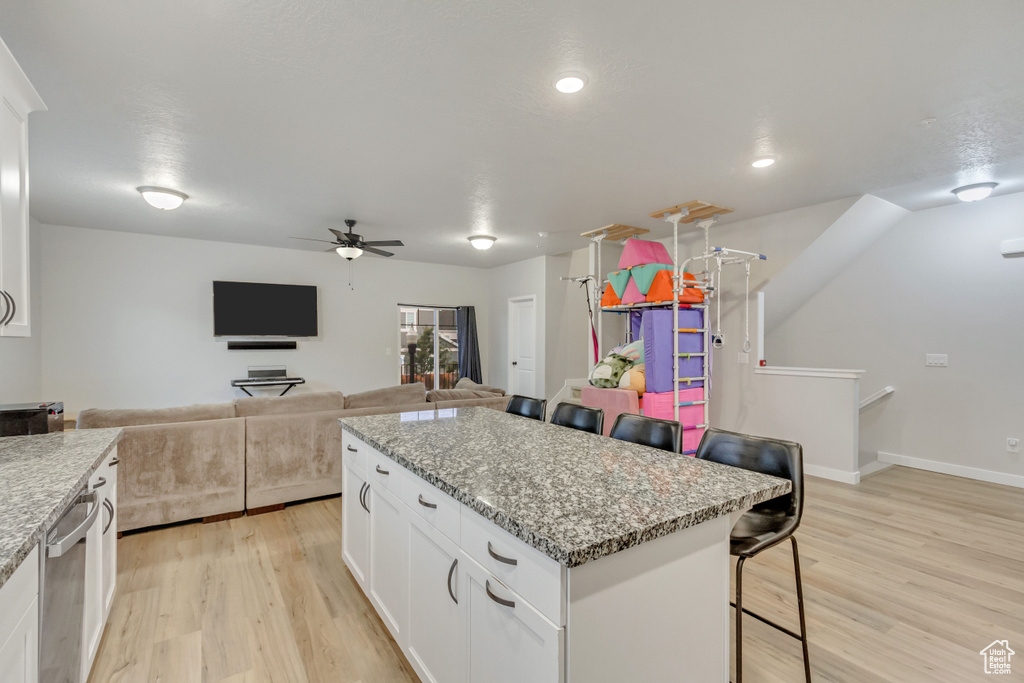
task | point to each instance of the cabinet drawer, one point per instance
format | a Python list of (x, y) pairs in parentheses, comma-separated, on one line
[(384, 472), (525, 570), (430, 503), (354, 451)]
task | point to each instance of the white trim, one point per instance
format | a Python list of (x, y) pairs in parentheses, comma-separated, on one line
[(976, 473), (877, 396), (832, 473), (873, 467), (811, 372)]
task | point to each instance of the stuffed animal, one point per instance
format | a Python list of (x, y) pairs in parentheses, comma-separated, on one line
[(634, 378), (608, 372)]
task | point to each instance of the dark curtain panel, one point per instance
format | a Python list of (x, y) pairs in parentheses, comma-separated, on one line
[(469, 346)]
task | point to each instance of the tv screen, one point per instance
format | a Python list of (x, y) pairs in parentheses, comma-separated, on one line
[(253, 309)]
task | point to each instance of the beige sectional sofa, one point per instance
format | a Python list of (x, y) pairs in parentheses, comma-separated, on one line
[(214, 461)]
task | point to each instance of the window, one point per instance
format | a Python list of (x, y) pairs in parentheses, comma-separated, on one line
[(428, 346)]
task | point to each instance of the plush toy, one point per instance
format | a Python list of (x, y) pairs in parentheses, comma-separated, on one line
[(634, 378), (634, 351), (608, 372)]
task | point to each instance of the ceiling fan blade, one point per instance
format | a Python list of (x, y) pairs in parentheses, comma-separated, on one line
[(337, 233), (332, 249), (385, 243), (309, 239), (378, 252)]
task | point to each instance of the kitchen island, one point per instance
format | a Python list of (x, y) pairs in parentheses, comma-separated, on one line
[(40, 477), (499, 548)]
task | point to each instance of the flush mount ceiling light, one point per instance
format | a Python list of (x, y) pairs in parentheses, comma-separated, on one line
[(763, 163), (975, 192), (161, 197), (482, 242), (570, 82), (349, 252)]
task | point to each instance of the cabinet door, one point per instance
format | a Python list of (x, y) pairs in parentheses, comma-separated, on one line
[(110, 534), (508, 639), (14, 222), (93, 614), (355, 525), (389, 559), (438, 631), (19, 652)]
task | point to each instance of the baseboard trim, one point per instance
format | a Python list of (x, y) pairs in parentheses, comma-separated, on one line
[(873, 467), (976, 473), (833, 474)]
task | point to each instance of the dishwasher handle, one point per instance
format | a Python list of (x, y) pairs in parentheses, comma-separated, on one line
[(61, 546)]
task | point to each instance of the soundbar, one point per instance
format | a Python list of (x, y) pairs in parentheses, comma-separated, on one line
[(261, 345)]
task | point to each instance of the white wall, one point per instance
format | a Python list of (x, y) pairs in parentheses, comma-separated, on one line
[(935, 283), (128, 318), (21, 366), (525, 278)]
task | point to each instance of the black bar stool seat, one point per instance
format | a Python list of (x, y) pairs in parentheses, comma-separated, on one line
[(579, 417), (648, 431), (526, 406)]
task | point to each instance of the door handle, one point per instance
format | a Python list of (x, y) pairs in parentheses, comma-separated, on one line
[(515, 362), (492, 596), (455, 563), (362, 496), (354, 450), (114, 462), (500, 558), (110, 509), (100, 483), (11, 309), (58, 548)]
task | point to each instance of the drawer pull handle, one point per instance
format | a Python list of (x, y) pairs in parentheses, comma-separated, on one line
[(114, 462), (110, 508), (100, 483), (455, 563), (354, 450), (380, 471), (425, 504), (500, 558), (492, 596)]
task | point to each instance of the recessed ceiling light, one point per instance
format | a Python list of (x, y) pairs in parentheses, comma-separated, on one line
[(973, 193), (161, 197), (482, 242), (570, 83), (763, 163)]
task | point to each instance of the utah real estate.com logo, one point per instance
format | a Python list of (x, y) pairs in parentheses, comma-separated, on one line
[(997, 657)]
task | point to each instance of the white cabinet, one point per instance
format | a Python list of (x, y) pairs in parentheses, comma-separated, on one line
[(389, 558), (355, 522), (110, 535), (19, 623), (100, 561), (438, 630), (17, 99), (508, 639)]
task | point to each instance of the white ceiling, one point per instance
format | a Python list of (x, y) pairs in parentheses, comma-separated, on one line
[(430, 121)]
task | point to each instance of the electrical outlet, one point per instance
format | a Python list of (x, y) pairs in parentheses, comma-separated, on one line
[(742, 357), (936, 360), (1013, 445)]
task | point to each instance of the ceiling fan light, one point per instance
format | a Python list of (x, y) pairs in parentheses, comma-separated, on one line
[(482, 242), (349, 252), (975, 192), (161, 197)]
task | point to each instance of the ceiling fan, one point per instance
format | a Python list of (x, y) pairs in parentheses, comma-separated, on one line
[(350, 245)]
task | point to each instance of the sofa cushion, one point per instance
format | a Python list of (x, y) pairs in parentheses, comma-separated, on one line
[(385, 410), (456, 394), (467, 383), (400, 395), (94, 418), (295, 403)]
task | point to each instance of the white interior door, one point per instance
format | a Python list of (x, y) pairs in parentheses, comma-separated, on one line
[(522, 347)]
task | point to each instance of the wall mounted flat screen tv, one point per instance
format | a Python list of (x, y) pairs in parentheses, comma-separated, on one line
[(254, 309)]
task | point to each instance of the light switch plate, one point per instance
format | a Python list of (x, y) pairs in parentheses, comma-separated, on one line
[(1012, 445), (936, 360)]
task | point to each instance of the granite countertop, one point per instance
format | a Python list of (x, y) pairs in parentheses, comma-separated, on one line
[(39, 476), (572, 495)]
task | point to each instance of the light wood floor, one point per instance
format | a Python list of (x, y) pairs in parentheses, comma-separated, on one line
[(906, 576)]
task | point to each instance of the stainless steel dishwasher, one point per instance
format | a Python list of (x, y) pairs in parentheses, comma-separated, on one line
[(63, 594)]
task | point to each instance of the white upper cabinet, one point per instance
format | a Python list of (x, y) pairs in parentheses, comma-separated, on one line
[(17, 99)]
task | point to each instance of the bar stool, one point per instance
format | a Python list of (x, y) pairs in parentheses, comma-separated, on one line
[(766, 524), (578, 417), (525, 406), (649, 431)]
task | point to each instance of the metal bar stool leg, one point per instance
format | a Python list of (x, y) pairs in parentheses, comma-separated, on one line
[(739, 620), (800, 606)]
